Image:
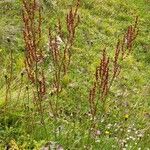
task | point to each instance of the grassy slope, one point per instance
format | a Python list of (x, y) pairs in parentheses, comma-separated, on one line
[(102, 22)]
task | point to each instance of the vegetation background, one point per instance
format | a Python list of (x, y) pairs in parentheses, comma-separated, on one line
[(102, 23)]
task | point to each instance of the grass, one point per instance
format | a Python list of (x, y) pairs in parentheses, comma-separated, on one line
[(126, 125)]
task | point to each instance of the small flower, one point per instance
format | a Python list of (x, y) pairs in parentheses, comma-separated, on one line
[(113, 146), (102, 120), (109, 126), (128, 130), (126, 116), (126, 145), (121, 129), (97, 141), (98, 132), (134, 129), (127, 138), (132, 138), (140, 135), (107, 132)]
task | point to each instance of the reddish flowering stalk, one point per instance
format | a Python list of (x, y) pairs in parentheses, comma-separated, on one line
[(62, 56), (129, 38), (59, 32), (104, 76), (101, 84), (32, 20), (124, 48), (56, 58), (42, 87), (32, 31), (72, 20), (54, 49), (116, 66)]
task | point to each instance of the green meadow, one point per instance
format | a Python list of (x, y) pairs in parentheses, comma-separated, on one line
[(74, 75)]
